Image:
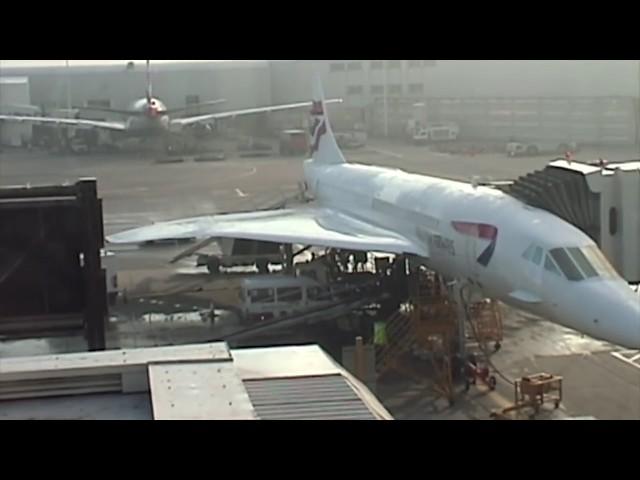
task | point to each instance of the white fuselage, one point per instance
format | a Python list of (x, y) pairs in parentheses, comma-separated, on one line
[(150, 119), (480, 235)]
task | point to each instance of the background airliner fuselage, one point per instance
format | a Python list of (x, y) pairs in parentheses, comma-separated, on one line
[(149, 117)]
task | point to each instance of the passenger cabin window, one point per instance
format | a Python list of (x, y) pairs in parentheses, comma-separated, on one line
[(261, 295), (289, 294)]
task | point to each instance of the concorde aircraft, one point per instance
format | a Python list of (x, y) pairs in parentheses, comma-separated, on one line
[(149, 116), (484, 238)]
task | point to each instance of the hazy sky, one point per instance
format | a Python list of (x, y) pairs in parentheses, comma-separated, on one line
[(48, 63)]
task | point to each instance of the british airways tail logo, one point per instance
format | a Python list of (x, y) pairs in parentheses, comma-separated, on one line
[(483, 231), (319, 127)]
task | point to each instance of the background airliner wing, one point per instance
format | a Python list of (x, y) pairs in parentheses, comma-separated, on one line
[(73, 122), (306, 226), (173, 111), (246, 111)]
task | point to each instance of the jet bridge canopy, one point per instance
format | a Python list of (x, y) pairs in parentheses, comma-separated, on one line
[(601, 199)]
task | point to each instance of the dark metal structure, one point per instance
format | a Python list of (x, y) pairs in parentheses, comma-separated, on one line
[(51, 279), (564, 193)]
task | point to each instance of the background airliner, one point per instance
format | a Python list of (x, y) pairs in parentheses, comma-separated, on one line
[(149, 116), (489, 241)]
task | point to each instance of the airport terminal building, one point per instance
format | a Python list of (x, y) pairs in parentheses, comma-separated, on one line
[(586, 101)]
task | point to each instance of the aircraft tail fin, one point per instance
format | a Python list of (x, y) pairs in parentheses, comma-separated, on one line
[(324, 148)]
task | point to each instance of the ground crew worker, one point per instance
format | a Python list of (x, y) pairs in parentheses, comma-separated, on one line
[(568, 156), (380, 334)]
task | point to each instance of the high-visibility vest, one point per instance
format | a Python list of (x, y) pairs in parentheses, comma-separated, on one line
[(380, 333)]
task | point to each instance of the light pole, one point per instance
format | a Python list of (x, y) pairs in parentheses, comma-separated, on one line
[(68, 88), (1, 125), (385, 105), (638, 110)]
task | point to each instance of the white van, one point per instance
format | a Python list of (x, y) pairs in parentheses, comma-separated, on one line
[(267, 297), (436, 132), (109, 264)]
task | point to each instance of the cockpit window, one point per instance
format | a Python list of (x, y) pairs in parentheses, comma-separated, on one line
[(537, 256), (550, 265), (583, 263), (599, 261), (533, 254), (566, 264), (528, 253), (578, 263)]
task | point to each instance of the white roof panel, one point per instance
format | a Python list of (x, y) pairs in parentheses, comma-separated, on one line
[(198, 391), (187, 382), (15, 367), (14, 80), (282, 362)]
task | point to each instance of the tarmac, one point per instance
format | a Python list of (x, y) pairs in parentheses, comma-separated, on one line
[(137, 189)]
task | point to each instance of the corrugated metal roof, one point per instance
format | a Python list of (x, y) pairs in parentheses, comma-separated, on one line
[(327, 397), (189, 382)]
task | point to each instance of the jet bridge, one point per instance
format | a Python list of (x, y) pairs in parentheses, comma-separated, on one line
[(601, 199), (51, 279)]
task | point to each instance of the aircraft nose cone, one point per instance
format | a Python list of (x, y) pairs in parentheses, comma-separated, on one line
[(615, 314)]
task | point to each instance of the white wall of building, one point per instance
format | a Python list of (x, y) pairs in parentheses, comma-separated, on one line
[(362, 84), (466, 78), (247, 83), (533, 78), (14, 95)]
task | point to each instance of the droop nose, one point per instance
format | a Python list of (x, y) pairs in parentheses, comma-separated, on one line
[(613, 310)]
